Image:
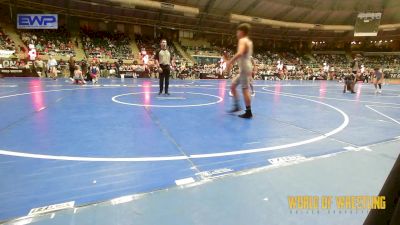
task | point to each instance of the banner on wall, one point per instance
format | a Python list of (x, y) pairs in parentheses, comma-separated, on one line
[(16, 68), (393, 75), (37, 21), (6, 53)]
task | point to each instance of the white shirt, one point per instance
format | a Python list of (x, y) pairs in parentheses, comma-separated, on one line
[(280, 66), (326, 68), (145, 59), (32, 54), (51, 62)]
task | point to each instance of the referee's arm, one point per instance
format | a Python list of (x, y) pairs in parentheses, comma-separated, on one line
[(173, 60), (157, 57)]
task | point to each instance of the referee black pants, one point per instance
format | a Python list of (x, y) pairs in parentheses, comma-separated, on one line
[(164, 76)]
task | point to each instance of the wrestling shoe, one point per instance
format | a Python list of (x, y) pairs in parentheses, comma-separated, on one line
[(246, 115), (235, 108)]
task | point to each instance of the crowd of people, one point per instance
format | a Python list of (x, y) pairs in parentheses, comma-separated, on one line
[(106, 45), (148, 47), (269, 67), (49, 42), (339, 60), (288, 66), (102, 46), (91, 70), (389, 61), (6, 43)]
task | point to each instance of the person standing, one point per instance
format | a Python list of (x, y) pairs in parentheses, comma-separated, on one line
[(52, 67), (378, 80), (84, 69), (32, 53), (39, 67), (326, 70), (71, 65), (222, 64), (164, 61), (351, 79), (102, 68), (243, 57), (108, 68), (117, 67)]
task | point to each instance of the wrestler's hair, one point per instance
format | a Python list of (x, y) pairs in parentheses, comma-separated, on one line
[(244, 27)]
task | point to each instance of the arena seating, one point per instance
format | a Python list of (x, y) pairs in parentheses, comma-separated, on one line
[(200, 47), (112, 46), (150, 45), (54, 42), (5, 41), (392, 61), (338, 60), (108, 45)]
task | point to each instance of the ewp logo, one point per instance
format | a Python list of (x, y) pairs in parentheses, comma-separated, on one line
[(37, 21)]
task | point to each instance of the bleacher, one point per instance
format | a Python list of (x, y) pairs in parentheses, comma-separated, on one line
[(5, 41), (49, 42), (149, 45), (106, 45)]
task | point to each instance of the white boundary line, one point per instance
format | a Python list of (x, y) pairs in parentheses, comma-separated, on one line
[(92, 159), (210, 179), (114, 99), (170, 158), (340, 99), (58, 90), (382, 114), (239, 152), (386, 106)]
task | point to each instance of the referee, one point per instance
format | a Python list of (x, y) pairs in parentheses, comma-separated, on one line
[(164, 60)]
